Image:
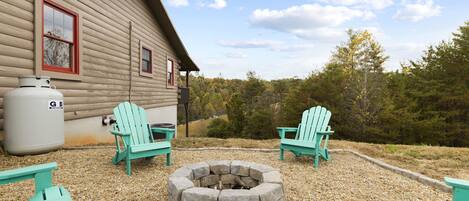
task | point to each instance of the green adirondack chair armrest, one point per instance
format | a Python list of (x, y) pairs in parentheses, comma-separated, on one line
[(125, 136), (459, 183), (460, 188), (283, 130), (114, 132), (325, 132), (20, 174), (169, 132), (42, 175)]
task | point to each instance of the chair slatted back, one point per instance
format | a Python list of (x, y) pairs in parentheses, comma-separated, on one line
[(132, 119), (313, 120)]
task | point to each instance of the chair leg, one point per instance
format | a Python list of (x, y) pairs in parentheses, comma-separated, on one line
[(115, 159), (297, 154), (316, 161), (281, 154), (168, 159), (128, 166), (326, 155)]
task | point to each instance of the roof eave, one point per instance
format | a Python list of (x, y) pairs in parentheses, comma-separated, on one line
[(159, 12)]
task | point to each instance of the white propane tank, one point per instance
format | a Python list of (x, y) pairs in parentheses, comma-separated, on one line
[(34, 117)]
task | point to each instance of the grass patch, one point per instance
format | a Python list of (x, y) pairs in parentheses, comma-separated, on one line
[(390, 148), (196, 128)]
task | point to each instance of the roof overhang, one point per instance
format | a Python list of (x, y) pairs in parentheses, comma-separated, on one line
[(159, 12)]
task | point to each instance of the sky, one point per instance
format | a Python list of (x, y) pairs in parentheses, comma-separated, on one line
[(292, 38)]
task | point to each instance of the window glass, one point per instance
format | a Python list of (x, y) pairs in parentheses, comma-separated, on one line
[(146, 54), (59, 48), (57, 53), (48, 19), (68, 27), (145, 66), (169, 70), (58, 24), (146, 60)]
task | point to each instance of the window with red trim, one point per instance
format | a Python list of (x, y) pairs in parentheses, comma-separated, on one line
[(170, 72), (60, 34), (146, 60)]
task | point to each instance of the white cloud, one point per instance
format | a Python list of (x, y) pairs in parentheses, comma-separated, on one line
[(373, 4), (275, 46), (236, 55), (417, 11), (248, 43), (218, 4), (308, 20), (178, 3), (291, 47), (402, 52), (377, 32)]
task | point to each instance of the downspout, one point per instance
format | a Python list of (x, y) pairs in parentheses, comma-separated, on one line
[(187, 104), (130, 61)]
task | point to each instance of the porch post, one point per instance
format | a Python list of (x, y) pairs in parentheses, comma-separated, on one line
[(186, 105)]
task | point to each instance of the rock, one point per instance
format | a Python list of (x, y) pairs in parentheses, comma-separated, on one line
[(256, 170), (240, 168), (228, 179), (238, 195), (199, 170), (240, 182), (176, 185), (200, 194), (196, 182), (272, 177), (209, 180), (219, 167), (249, 182), (183, 172), (269, 192)]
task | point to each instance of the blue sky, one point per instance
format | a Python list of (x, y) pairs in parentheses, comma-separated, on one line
[(287, 38)]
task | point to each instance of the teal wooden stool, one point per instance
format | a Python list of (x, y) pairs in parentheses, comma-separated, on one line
[(42, 175), (460, 188)]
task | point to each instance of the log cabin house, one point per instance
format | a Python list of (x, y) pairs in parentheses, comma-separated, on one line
[(98, 53)]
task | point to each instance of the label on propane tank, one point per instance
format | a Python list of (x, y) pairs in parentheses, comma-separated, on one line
[(56, 105)]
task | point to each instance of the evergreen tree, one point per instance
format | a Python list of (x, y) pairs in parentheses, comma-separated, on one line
[(235, 109)]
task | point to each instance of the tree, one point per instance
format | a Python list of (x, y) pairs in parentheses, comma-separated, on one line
[(440, 87), (259, 124), (427, 102), (252, 88), (361, 59), (218, 128), (235, 109)]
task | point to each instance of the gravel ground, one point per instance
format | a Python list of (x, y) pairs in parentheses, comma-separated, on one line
[(90, 175)]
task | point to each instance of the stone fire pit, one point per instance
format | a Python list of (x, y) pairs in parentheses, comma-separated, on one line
[(225, 180)]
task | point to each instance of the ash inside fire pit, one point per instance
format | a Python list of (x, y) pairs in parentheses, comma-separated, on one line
[(225, 180)]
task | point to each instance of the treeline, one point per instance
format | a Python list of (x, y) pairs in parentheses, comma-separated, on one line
[(426, 102)]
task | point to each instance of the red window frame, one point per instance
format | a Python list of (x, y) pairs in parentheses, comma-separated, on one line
[(74, 68), (172, 72), (150, 70)]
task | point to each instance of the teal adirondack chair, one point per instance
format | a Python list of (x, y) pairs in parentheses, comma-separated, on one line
[(42, 175), (309, 135), (460, 188), (136, 134)]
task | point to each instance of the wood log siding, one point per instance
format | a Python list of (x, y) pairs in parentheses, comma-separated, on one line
[(105, 59)]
